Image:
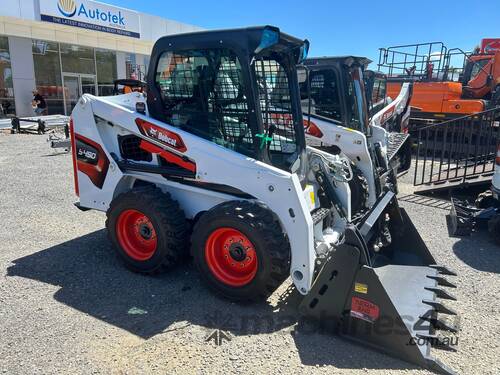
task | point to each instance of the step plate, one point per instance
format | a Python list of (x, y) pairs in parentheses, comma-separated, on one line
[(395, 141)]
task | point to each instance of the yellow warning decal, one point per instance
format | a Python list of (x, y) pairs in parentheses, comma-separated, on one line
[(347, 129), (361, 288)]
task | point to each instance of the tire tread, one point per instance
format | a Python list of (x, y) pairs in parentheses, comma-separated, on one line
[(260, 218), (170, 216)]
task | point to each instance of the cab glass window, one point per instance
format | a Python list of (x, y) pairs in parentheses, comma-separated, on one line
[(477, 66), (324, 94), (378, 92), (275, 106), (203, 92)]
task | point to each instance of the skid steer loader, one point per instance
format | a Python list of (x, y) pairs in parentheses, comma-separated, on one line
[(215, 156), (331, 103)]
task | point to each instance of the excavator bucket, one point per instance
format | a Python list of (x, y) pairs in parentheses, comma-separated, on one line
[(390, 300)]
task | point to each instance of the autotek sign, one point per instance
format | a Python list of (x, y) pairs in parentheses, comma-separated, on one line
[(91, 15)]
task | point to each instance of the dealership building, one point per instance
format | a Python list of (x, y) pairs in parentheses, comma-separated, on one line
[(65, 48)]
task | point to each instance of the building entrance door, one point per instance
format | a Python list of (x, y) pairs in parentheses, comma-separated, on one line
[(75, 85)]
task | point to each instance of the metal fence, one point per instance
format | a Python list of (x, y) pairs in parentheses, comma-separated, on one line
[(458, 151), (423, 61)]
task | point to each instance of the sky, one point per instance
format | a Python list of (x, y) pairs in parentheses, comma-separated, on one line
[(342, 27)]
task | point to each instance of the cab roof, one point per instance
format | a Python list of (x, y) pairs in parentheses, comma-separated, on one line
[(247, 38), (336, 60)]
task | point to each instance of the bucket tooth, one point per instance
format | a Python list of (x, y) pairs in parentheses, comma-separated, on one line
[(437, 342), (442, 281), (439, 307), (443, 270), (440, 324), (441, 293)]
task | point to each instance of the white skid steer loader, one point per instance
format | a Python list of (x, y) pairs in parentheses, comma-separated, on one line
[(331, 103), (217, 152)]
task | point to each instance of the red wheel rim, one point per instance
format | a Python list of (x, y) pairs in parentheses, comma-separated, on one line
[(136, 235), (231, 257)]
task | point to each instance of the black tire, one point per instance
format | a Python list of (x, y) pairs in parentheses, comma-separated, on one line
[(270, 245), (359, 190), (494, 228), (405, 156), (163, 214), (485, 200)]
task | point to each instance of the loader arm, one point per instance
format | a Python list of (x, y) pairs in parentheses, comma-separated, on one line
[(394, 118)]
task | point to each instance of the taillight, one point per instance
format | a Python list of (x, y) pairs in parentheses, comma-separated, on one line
[(497, 159), (73, 154), (312, 129)]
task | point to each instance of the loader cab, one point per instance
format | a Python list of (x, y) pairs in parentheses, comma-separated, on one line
[(333, 89), (237, 88)]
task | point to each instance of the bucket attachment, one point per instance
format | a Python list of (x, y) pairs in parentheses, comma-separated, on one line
[(387, 300), (463, 217)]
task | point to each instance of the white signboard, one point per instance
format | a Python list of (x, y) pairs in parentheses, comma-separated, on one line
[(92, 16)]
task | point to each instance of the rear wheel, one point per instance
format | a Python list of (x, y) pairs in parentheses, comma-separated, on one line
[(147, 228), (240, 250)]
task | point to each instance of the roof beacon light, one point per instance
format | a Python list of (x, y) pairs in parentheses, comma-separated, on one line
[(270, 37), (304, 50)]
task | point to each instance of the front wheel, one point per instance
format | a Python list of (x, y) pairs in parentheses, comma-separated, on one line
[(240, 250)]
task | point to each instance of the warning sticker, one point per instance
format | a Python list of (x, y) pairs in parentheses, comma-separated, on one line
[(365, 310), (313, 199), (360, 288)]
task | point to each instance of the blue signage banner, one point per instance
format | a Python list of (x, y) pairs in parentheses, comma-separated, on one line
[(88, 26), (91, 15)]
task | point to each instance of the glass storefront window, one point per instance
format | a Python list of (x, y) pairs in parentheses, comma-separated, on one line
[(130, 58), (7, 106), (48, 74), (59, 67), (133, 69), (77, 59), (106, 70)]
